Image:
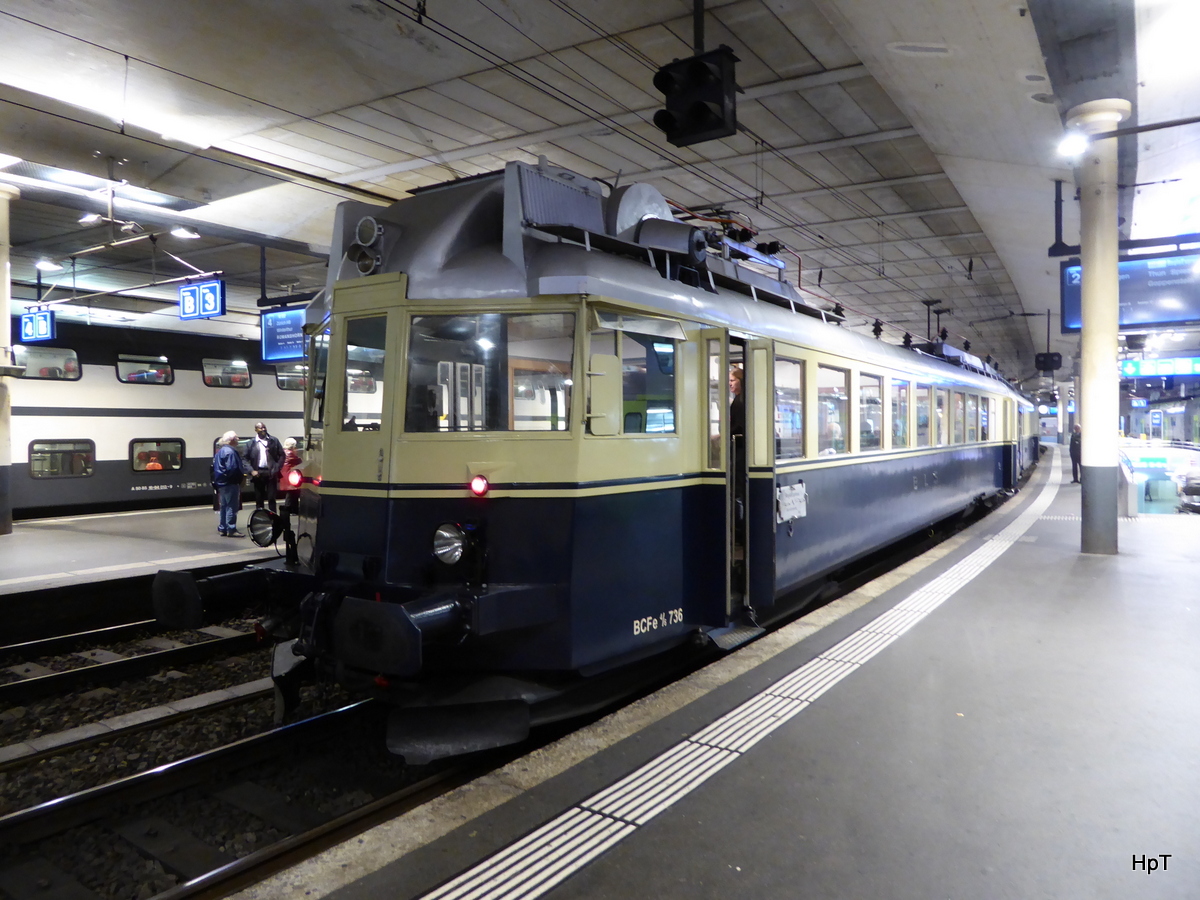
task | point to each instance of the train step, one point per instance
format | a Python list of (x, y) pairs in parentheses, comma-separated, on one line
[(734, 635)]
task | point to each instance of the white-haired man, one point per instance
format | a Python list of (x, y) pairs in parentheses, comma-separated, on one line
[(227, 479)]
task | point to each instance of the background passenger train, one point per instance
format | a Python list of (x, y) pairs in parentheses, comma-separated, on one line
[(108, 418)]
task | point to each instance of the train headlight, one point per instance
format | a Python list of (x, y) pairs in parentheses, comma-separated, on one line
[(449, 543)]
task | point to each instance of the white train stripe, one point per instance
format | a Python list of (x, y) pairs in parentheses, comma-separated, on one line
[(566, 844)]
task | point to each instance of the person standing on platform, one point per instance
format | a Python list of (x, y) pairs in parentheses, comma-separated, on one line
[(289, 491), (1076, 450), (264, 456), (227, 480)]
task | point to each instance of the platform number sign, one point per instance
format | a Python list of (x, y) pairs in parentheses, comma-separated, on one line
[(202, 300), (37, 326)]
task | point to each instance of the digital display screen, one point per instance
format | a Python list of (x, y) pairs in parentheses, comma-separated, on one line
[(283, 338), (1154, 290)]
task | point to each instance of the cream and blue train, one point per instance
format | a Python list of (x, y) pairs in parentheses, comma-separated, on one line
[(542, 490)]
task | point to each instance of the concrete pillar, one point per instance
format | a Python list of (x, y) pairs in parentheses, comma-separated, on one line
[(1099, 400), (7, 370)]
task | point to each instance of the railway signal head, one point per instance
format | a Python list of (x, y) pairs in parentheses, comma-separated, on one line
[(700, 102)]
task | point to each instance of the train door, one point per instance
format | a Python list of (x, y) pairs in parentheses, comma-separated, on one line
[(759, 520), (717, 445)]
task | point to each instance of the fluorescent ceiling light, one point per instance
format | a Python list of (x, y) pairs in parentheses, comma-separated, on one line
[(90, 218), (48, 265), (6, 161), (1073, 144), (186, 232)]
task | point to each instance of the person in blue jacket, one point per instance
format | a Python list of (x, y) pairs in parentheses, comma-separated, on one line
[(227, 479)]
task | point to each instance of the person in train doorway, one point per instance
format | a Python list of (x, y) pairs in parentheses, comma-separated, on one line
[(1076, 451), (227, 480), (264, 456)]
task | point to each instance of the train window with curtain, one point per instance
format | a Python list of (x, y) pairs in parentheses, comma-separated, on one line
[(924, 423), (833, 400), (789, 409), (958, 415), (225, 373), (366, 354), (899, 413), (943, 417), (62, 459), (156, 455), (870, 412), (490, 372), (144, 370), (972, 418), (51, 363), (647, 384), (291, 376)]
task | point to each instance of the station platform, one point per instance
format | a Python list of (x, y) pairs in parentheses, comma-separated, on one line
[(68, 550), (1003, 717)]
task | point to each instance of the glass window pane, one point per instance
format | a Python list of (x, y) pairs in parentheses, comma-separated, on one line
[(923, 421), (165, 455), (61, 459), (959, 413), (291, 376), (789, 409), (647, 384), (366, 353), (47, 362), (987, 410), (943, 420), (972, 418), (899, 413), (833, 398), (716, 388), (144, 370), (490, 372), (870, 412), (226, 373)]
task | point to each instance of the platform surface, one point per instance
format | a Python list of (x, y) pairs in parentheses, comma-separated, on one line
[(1008, 718), (82, 549)]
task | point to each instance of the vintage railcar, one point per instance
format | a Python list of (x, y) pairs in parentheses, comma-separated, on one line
[(545, 490)]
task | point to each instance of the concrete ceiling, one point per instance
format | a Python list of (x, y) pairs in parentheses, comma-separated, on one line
[(903, 149)]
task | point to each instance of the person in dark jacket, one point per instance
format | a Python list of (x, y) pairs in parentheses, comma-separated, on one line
[(264, 457), (227, 479), (1076, 451)]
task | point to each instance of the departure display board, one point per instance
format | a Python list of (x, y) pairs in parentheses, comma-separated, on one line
[(283, 338), (1159, 290)]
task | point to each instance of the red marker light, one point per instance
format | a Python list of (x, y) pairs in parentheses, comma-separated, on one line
[(381, 681), (294, 478), (479, 486)]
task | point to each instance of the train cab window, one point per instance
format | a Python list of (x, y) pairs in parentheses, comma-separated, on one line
[(958, 414), (291, 376), (870, 412), (647, 384), (833, 400), (972, 418), (924, 423), (162, 455), (226, 373), (61, 459), (899, 413), (943, 418), (366, 354), (490, 372), (52, 363), (789, 409), (144, 370)]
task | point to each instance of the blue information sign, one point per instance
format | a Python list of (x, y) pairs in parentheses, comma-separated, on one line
[(283, 337), (202, 300), (37, 326), (1154, 290), (1149, 368), (1139, 402)]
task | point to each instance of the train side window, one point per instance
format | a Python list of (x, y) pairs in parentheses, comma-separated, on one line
[(789, 409), (144, 370), (987, 414), (972, 418), (899, 413), (924, 423), (366, 354), (870, 412), (958, 411), (62, 459), (291, 376), (647, 384), (833, 398), (226, 373), (943, 418), (52, 363), (156, 455)]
